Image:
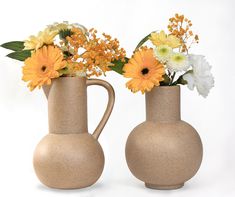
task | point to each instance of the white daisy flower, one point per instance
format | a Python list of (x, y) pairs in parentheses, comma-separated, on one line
[(178, 62), (201, 76), (163, 53)]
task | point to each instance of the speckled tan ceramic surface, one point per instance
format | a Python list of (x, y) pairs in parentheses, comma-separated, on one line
[(69, 157), (164, 151)]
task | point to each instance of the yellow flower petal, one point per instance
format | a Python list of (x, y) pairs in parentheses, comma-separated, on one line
[(145, 70), (44, 37), (162, 39), (42, 66)]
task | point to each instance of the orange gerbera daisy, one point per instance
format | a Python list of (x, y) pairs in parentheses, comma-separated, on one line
[(145, 70), (42, 66)]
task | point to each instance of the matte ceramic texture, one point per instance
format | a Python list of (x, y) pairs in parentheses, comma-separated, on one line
[(69, 157), (164, 151)]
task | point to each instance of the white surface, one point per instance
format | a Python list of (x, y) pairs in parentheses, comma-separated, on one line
[(23, 114)]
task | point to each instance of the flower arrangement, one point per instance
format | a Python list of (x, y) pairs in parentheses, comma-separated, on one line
[(64, 49), (168, 62)]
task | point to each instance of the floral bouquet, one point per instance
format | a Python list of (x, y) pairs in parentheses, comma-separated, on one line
[(169, 62), (64, 49)]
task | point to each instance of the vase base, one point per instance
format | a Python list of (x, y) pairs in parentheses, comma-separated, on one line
[(163, 187)]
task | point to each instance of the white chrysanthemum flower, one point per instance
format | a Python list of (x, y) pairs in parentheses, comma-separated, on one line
[(178, 62), (201, 76), (163, 53)]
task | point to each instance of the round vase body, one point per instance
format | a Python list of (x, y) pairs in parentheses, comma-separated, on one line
[(164, 152), (68, 161)]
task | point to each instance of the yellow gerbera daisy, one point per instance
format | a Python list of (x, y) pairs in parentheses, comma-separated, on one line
[(42, 66), (163, 39), (145, 70)]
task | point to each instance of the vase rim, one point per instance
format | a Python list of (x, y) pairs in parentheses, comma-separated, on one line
[(70, 78), (168, 87)]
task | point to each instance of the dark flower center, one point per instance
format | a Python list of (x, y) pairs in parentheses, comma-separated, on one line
[(43, 68), (145, 71)]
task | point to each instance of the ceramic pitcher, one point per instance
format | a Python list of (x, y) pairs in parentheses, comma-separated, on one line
[(164, 151), (69, 157)]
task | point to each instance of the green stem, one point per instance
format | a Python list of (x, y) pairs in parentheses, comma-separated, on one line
[(145, 39), (172, 79)]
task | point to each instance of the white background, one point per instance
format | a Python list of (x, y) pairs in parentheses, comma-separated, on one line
[(23, 115)]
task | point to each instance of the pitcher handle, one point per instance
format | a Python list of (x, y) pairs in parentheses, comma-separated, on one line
[(109, 107)]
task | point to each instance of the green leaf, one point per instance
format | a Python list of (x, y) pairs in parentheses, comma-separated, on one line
[(180, 80), (14, 45), (20, 55), (166, 80), (67, 54), (118, 65), (145, 39), (64, 71), (64, 33)]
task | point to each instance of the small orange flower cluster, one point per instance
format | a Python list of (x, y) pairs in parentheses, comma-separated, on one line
[(91, 54), (76, 40), (179, 26)]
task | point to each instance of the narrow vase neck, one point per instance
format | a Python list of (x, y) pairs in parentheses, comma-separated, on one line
[(163, 104), (67, 105)]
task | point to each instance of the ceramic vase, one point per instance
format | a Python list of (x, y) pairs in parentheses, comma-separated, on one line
[(164, 151), (69, 157)]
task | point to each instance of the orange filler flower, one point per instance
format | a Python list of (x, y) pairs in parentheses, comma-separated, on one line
[(97, 52)]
